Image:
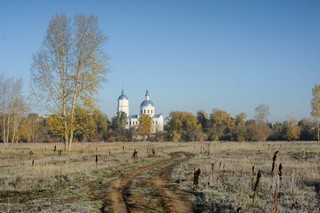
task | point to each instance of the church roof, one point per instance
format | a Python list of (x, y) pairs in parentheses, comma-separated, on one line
[(146, 103), (123, 96), (157, 115), (134, 116), (138, 116)]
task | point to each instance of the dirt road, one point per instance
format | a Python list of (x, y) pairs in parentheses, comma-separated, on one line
[(143, 186), (154, 186)]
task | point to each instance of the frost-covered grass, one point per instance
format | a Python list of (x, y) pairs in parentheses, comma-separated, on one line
[(44, 181), (226, 179)]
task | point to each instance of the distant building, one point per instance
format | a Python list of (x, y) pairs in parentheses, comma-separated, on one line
[(146, 107)]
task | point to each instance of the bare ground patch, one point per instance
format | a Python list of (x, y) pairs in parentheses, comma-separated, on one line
[(154, 188)]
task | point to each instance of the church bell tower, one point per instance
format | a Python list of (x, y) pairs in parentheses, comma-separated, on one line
[(123, 103)]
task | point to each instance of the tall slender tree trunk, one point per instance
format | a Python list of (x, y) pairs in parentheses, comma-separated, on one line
[(70, 140), (71, 125), (32, 132), (4, 128), (66, 138), (74, 102), (66, 126), (13, 130), (8, 128)]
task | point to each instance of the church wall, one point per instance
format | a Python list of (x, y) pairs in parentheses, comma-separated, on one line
[(149, 110), (123, 106)]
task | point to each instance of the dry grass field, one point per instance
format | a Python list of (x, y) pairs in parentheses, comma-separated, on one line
[(104, 177), (227, 178)]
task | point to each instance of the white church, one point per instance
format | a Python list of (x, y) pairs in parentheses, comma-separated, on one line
[(146, 107)]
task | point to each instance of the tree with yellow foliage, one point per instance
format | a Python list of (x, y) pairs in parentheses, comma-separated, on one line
[(145, 125), (221, 125), (293, 130), (68, 69), (184, 126)]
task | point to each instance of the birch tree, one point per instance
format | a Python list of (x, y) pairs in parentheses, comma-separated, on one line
[(12, 106), (261, 113), (19, 110), (4, 85), (315, 107), (260, 129), (69, 68)]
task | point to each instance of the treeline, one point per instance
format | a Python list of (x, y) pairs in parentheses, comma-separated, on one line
[(94, 126), (220, 126), (89, 126)]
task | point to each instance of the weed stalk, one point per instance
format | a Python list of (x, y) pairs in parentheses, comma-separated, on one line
[(256, 185), (274, 161), (252, 178)]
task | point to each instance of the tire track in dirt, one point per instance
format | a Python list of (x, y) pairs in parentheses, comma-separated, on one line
[(118, 186), (175, 200)]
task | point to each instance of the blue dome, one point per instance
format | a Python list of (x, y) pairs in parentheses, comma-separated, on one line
[(122, 96), (146, 103)]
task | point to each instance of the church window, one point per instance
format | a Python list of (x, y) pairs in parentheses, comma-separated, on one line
[(148, 111), (156, 122), (144, 111)]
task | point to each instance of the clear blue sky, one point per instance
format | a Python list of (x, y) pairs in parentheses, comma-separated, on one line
[(190, 55)]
